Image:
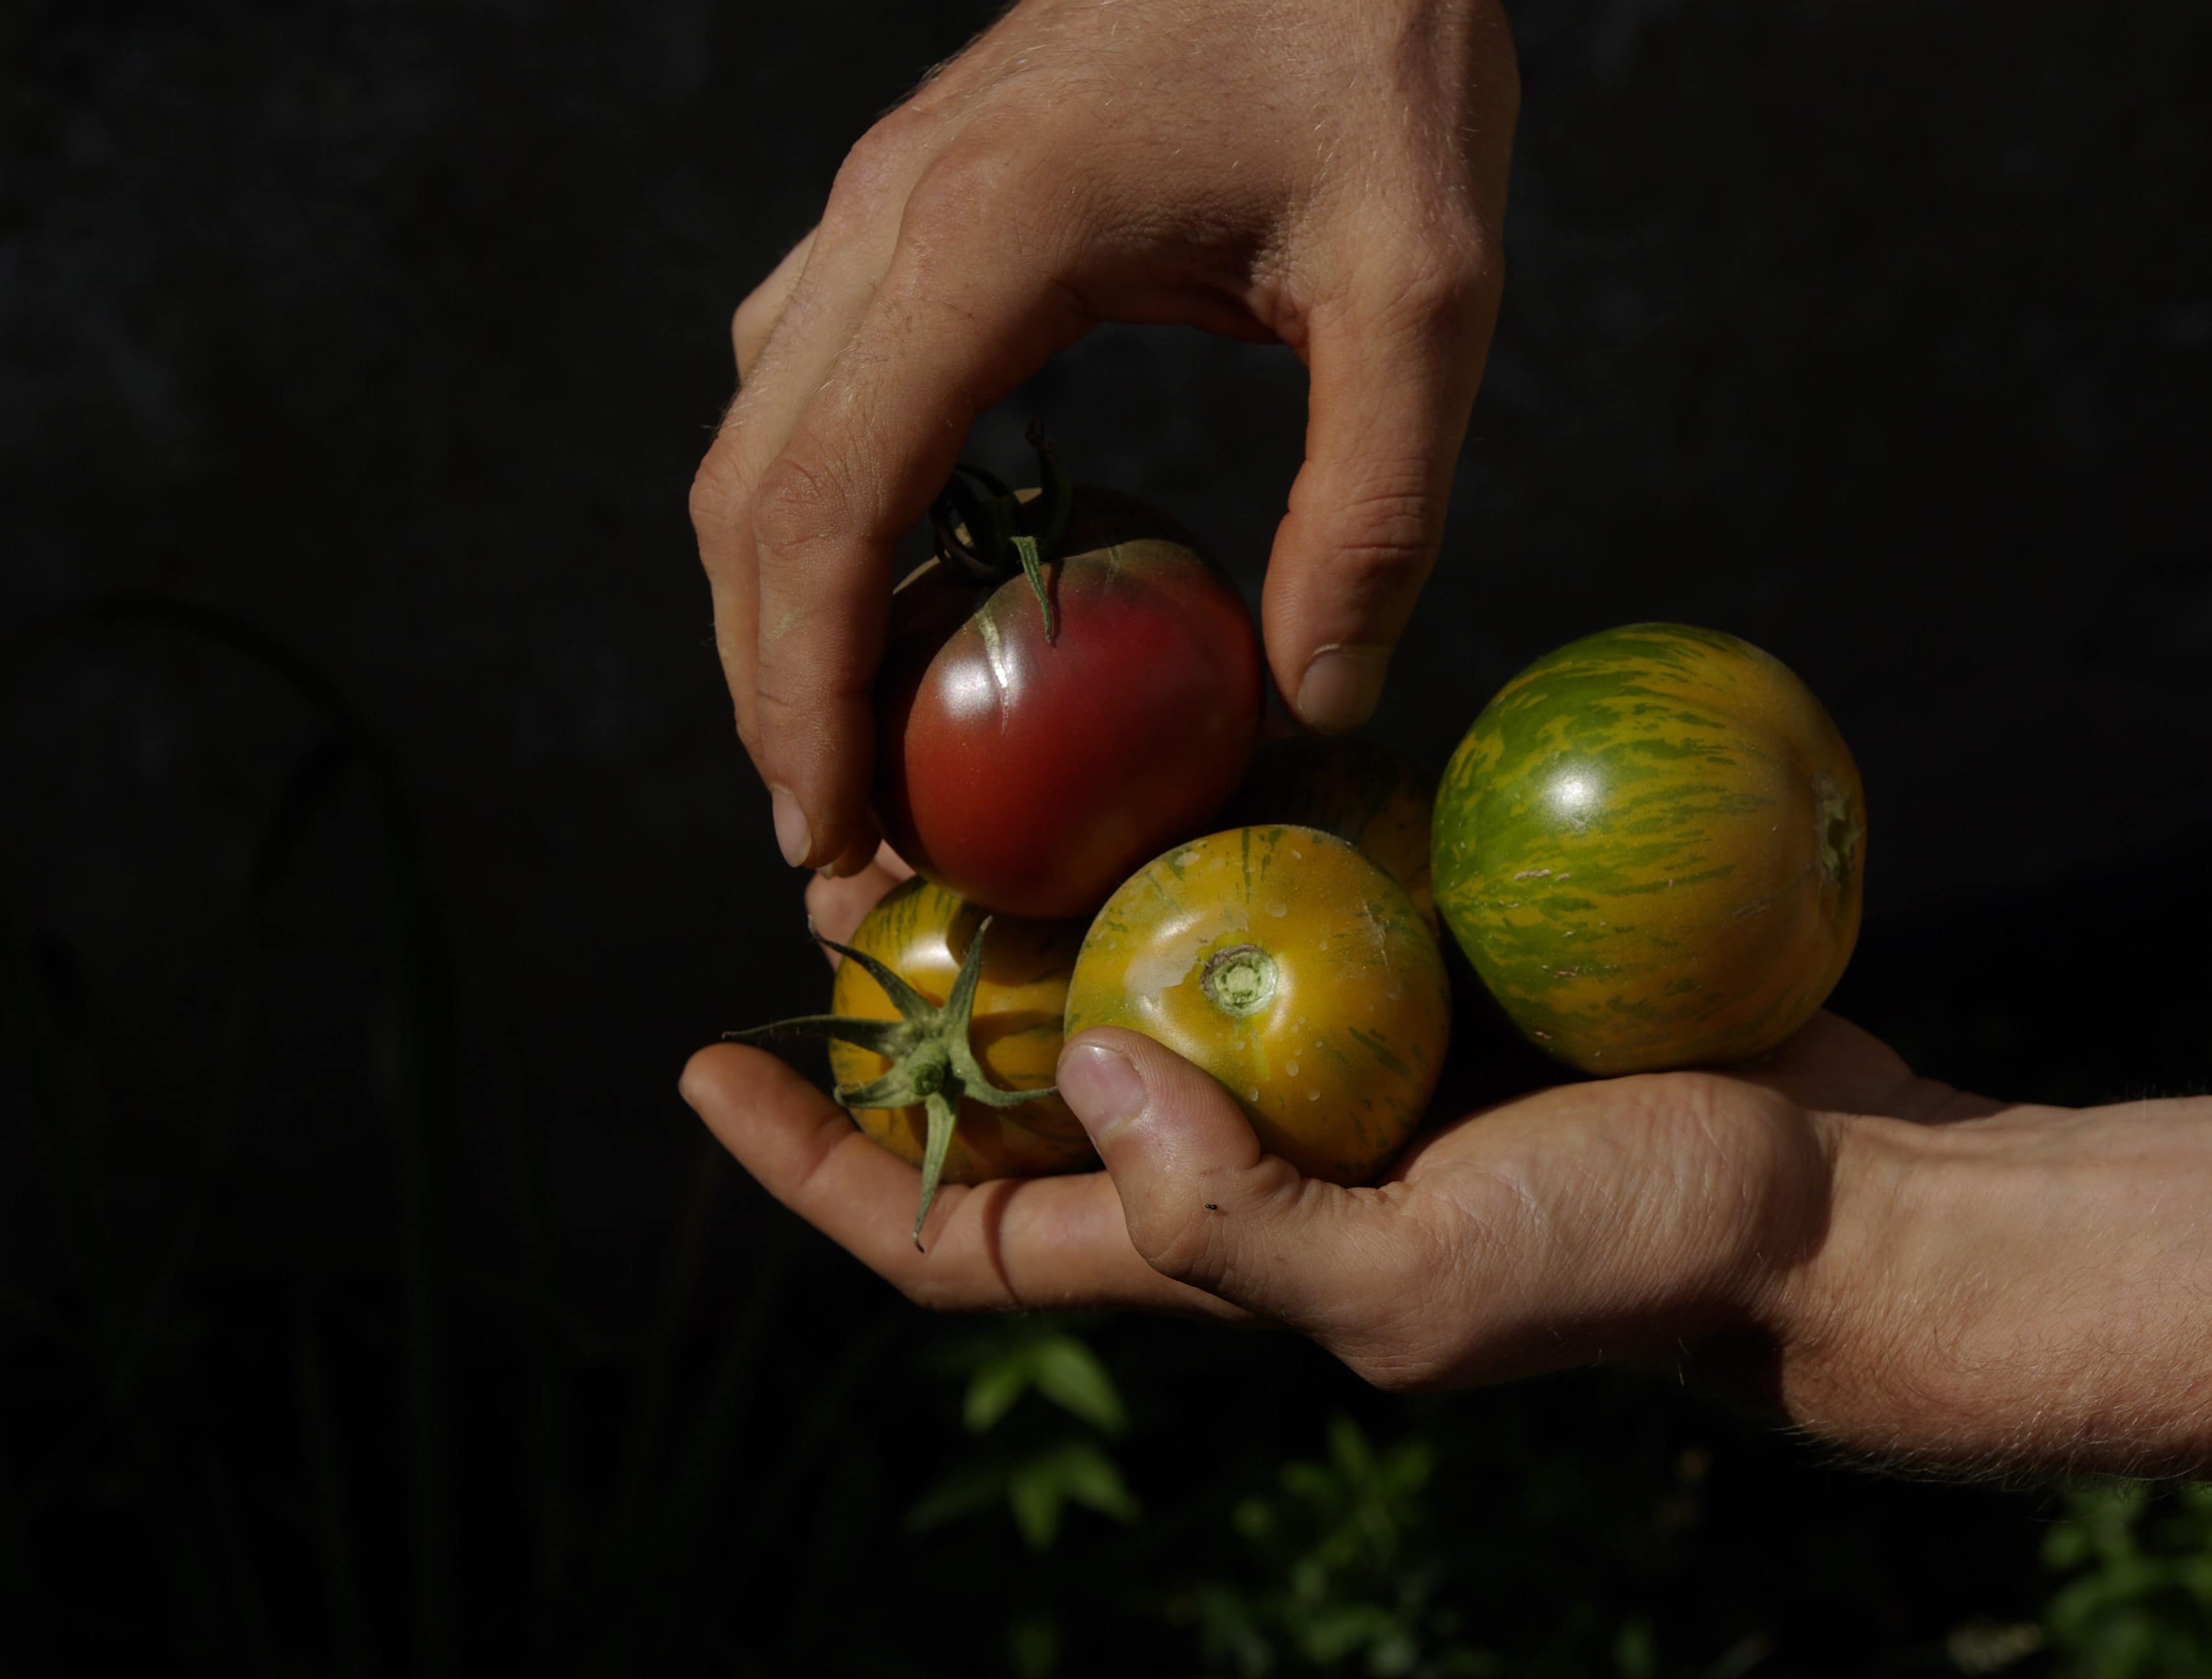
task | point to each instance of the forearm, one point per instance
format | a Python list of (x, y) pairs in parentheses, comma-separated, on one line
[(2028, 1291)]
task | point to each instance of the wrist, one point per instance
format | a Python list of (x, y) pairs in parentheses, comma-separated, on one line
[(2022, 1291)]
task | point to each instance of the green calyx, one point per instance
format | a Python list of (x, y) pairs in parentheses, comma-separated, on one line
[(988, 530), (933, 1065), (1840, 830)]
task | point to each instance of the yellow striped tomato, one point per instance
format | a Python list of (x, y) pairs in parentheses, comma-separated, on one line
[(1289, 965)]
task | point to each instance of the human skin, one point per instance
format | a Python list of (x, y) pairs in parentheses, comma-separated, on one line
[(1329, 174), (1899, 1268)]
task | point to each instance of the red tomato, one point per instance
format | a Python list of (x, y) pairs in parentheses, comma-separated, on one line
[(1031, 775)]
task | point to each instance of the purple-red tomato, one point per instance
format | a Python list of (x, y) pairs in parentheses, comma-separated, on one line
[(1030, 774)]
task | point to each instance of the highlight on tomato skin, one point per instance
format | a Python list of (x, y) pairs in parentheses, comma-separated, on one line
[(1031, 773), (1288, 965), (1651, 844)]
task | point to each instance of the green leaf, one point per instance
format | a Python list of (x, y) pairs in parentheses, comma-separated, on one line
[(1408, 1467), (1349, 1449), (1227, 1627), (993, 1389), (1336, 1631), (1393, 1655), (1072, 1376), (1034, 1495), (1309, 1484), (1033, 1644), (1091, 1478), (1253, 1517), (962, 1493), (2065, 1547)]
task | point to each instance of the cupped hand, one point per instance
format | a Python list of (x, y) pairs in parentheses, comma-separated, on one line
[(1614, 1218), (1329, 173)]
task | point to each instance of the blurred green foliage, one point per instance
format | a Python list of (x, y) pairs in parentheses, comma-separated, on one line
[(2135, 1561), (1039, 1471), (1348, 1576)]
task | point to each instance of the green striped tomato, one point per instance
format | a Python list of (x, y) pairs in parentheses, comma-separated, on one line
[(1651, 846)]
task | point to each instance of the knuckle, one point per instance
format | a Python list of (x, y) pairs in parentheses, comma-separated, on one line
[(777, 713), (955, 197), (895, 138), (796, 502), (1231, 1248), (998, 182), (713, 496), (1439, 286), (1386, 527), (878, 166), (1382, 545), (750, 324), (1448, 289), (1183, 1248)]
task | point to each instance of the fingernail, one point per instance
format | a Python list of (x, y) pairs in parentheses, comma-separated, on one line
[(854, 858), (1341, 686), (1103, 1088), (791, 834)]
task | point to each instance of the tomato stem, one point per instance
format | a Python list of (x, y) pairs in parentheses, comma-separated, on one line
[(985, 535), (1033, 567), (1240, 980)]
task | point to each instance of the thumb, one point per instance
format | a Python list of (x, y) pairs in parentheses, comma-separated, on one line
[(1204, 1205), (1393, 380)]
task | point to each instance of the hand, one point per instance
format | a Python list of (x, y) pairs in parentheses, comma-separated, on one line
[(1585, 1221), (1894, 1266), (1329, 173)]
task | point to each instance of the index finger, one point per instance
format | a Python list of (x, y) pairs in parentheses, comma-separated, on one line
[(948, 335)]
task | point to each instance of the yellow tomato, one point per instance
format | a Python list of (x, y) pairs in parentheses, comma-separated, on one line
[(1293, 969), (920, 932)]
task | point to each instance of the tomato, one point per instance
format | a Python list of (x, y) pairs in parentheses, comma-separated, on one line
[(1357, 790), (1651, 846), (924, 936), (1290, 967), (1031, 772)]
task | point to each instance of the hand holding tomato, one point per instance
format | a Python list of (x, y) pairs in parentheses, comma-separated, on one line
[(1329, 173), (1590, 1220), (1894, 1266)]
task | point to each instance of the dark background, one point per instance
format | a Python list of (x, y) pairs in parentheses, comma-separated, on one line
[(376, 846)]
